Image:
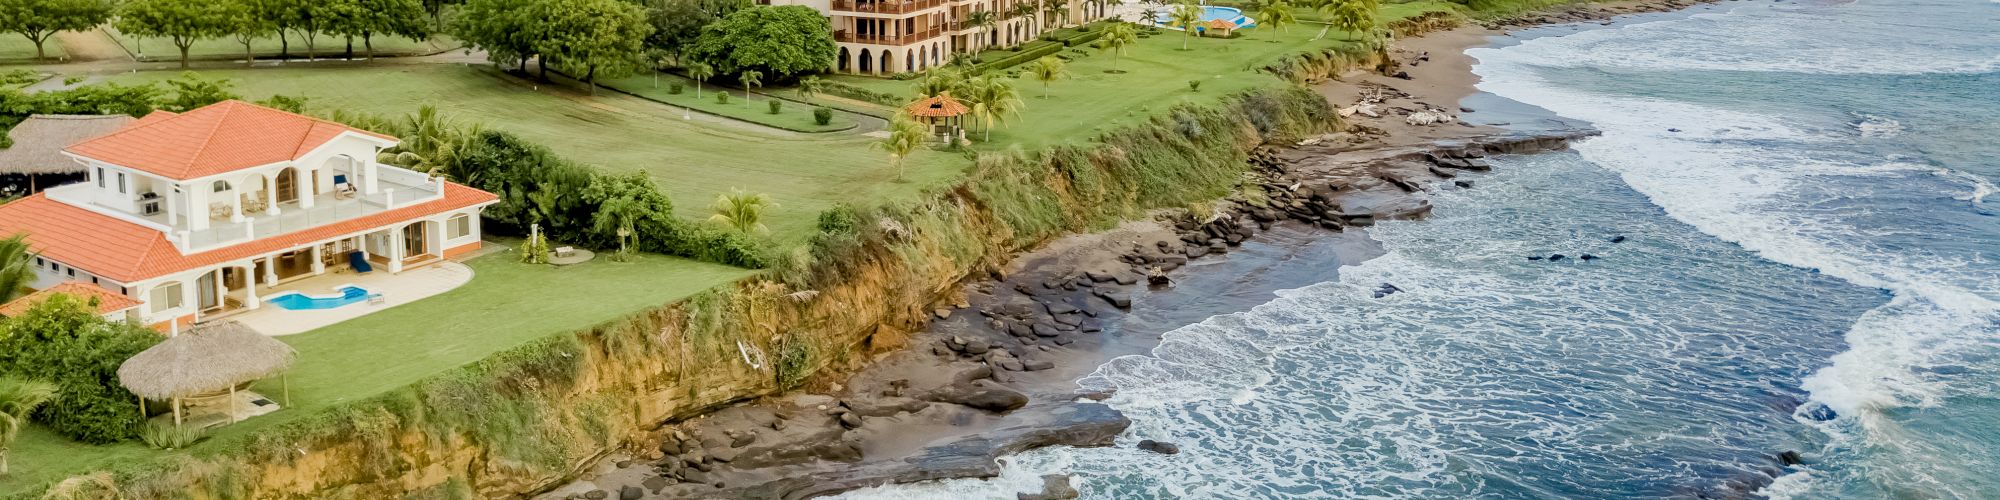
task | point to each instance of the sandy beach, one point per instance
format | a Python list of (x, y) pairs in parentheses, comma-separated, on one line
[(997, 374)]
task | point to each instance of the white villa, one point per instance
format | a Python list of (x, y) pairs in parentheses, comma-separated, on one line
[(193, 215)]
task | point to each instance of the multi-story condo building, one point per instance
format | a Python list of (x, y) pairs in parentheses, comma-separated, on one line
[(193, 215), (899, 36)]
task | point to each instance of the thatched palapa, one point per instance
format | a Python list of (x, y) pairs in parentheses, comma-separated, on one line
[(39, 140), (203, 361)]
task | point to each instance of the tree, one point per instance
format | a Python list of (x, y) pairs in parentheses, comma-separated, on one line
[(1047, 69), (40, 19), (1056, 9), (367, 18), (305, 18), (1116, 40), (1278, 14), (1356, 17), (980, 21), (192, 91), (505, 29), (905, 136), (777, 41), (676, 24), (18, 398), (17, 267), (700, 72), (1185, 16), (62, 340), (741, 210), (624, 204), (593, 38), (750, 79), (183, 22), (809, 87), (993, 100), (436, 9), (248, 21)]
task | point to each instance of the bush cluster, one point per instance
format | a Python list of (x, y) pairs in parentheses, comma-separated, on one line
[(63, 341)]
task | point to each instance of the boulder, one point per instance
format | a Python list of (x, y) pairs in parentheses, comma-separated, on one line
[(850, 420), (976, 347), (1046, 330), (631, 493), (670, 447), (981, 396), (1117, 298), (1160, 447), (743, 439), (655, 484), (597, 495), (1790, 458), (1059, 307), (725, 455), (1035, 365), (694, 476)]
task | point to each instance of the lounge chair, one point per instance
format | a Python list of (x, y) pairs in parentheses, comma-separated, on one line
[(359, 261)]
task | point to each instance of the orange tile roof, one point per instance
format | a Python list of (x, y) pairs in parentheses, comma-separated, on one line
[(1220, 24), (127, 252), (107, 302), (939, 106), (222, 137)]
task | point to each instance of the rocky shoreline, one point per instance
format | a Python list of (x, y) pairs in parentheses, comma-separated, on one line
[(995, 374)]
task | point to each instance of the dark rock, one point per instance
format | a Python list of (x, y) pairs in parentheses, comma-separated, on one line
[(694, 476), (1462, 184), (982, 396), (1440, 172), (631, 493), (1099, 276), (1021, 329), (597, 495), (1011, 365), (1790, 458), (1195, 252), (777, 425), (1069, 319), (969, 375), (1064, 340), (1587, 257), (1821, 413), (976, 346), (850, 420), (1059, 307), (1035, 365), (655, 484), (1536, 257), (1117, 298), (840, 451), (743, 439), (1361, 220), (1386, 290), (725, 455), (1402, 74), (670, 447), (1673, 130), (1127, 278), (1160, 447), (1557, 257), (1618, 239), (1046, 330)]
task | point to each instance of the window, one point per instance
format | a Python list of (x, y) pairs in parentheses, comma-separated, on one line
[(167, 296), (39, 262), (219, 186), (72, 272), (121, 182), (100, 177), (459, 226)]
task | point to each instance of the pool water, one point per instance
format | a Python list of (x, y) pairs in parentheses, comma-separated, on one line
[(1211, 13), (298, 301)]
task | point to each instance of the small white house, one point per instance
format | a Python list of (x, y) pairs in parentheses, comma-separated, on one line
[(192, 214)]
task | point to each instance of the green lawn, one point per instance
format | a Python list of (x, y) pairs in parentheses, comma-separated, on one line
[(507, 304), (325, 46), (793, 116), (693, 161), (15, 48)]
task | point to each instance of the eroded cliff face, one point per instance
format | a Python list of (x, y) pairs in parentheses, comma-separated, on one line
[(529, 418)]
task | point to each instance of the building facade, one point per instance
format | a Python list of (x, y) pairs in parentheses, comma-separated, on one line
[(878, 37), (193, 214)]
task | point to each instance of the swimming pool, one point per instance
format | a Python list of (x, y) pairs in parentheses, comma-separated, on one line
[(295, 301), (1210, 13)]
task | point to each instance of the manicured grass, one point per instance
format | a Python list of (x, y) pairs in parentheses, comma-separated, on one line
[(15, 48), (794, 116), (507, 304), (324, 46), (694, 161)]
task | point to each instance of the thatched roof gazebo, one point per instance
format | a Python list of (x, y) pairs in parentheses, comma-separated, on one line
[(205, 362), (38, 142), (942, 112)]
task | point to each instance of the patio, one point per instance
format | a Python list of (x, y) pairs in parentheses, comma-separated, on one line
[(395, 289)]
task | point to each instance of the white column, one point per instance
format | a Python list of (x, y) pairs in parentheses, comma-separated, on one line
[(271, 194), (173, 202), (271, 270), (396, 250), (236, 203), (250, 286), (189, 296), (367, 170), (197, 206), (319, 261), (304, 181)]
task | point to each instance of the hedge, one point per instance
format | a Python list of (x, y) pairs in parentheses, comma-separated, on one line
[(1025, 55)]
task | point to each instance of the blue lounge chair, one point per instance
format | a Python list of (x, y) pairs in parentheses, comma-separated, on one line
[(359, 261)]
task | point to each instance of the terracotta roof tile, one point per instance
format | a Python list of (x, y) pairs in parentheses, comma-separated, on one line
[(222, 137), (107, 302), (127, 252), (938, 106)]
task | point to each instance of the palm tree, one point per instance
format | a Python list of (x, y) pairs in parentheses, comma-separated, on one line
[(17, 266), (1045, 70), (1185, 16), (1278, 13), (905, 136), (1116, 39), (18, 398), (750, 78), (993, 100), (700, 72), (617, 216), (938, 81), (1356, 17), (742, 210), (809, 87), (1057, 9), (981, 20)]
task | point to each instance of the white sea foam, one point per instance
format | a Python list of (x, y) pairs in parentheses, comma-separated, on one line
[(1797, 484)]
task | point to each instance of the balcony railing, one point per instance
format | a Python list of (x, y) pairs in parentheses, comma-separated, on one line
[(904, 39), (889, 7)]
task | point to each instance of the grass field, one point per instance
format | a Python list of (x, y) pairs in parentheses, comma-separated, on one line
[(15, 48), (507, 304), (325, 46), (693, 161), (794, 116)]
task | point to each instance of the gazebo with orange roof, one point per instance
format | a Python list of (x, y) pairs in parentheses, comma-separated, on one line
[(942, 112), (1218, 24)]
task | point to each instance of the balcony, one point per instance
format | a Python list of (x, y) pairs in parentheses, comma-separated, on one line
[(397, 188), (887, 7), (905, 39)]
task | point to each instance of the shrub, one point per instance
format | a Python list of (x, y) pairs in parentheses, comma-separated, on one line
[(1031, 51), (722, 98), (170, 437), (858, 93), (822, 116), (62, 340), (775, 105), (1194, 85), (21, 77), (676, 88)]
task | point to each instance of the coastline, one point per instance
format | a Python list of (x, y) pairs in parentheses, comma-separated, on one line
[(996, 373)]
